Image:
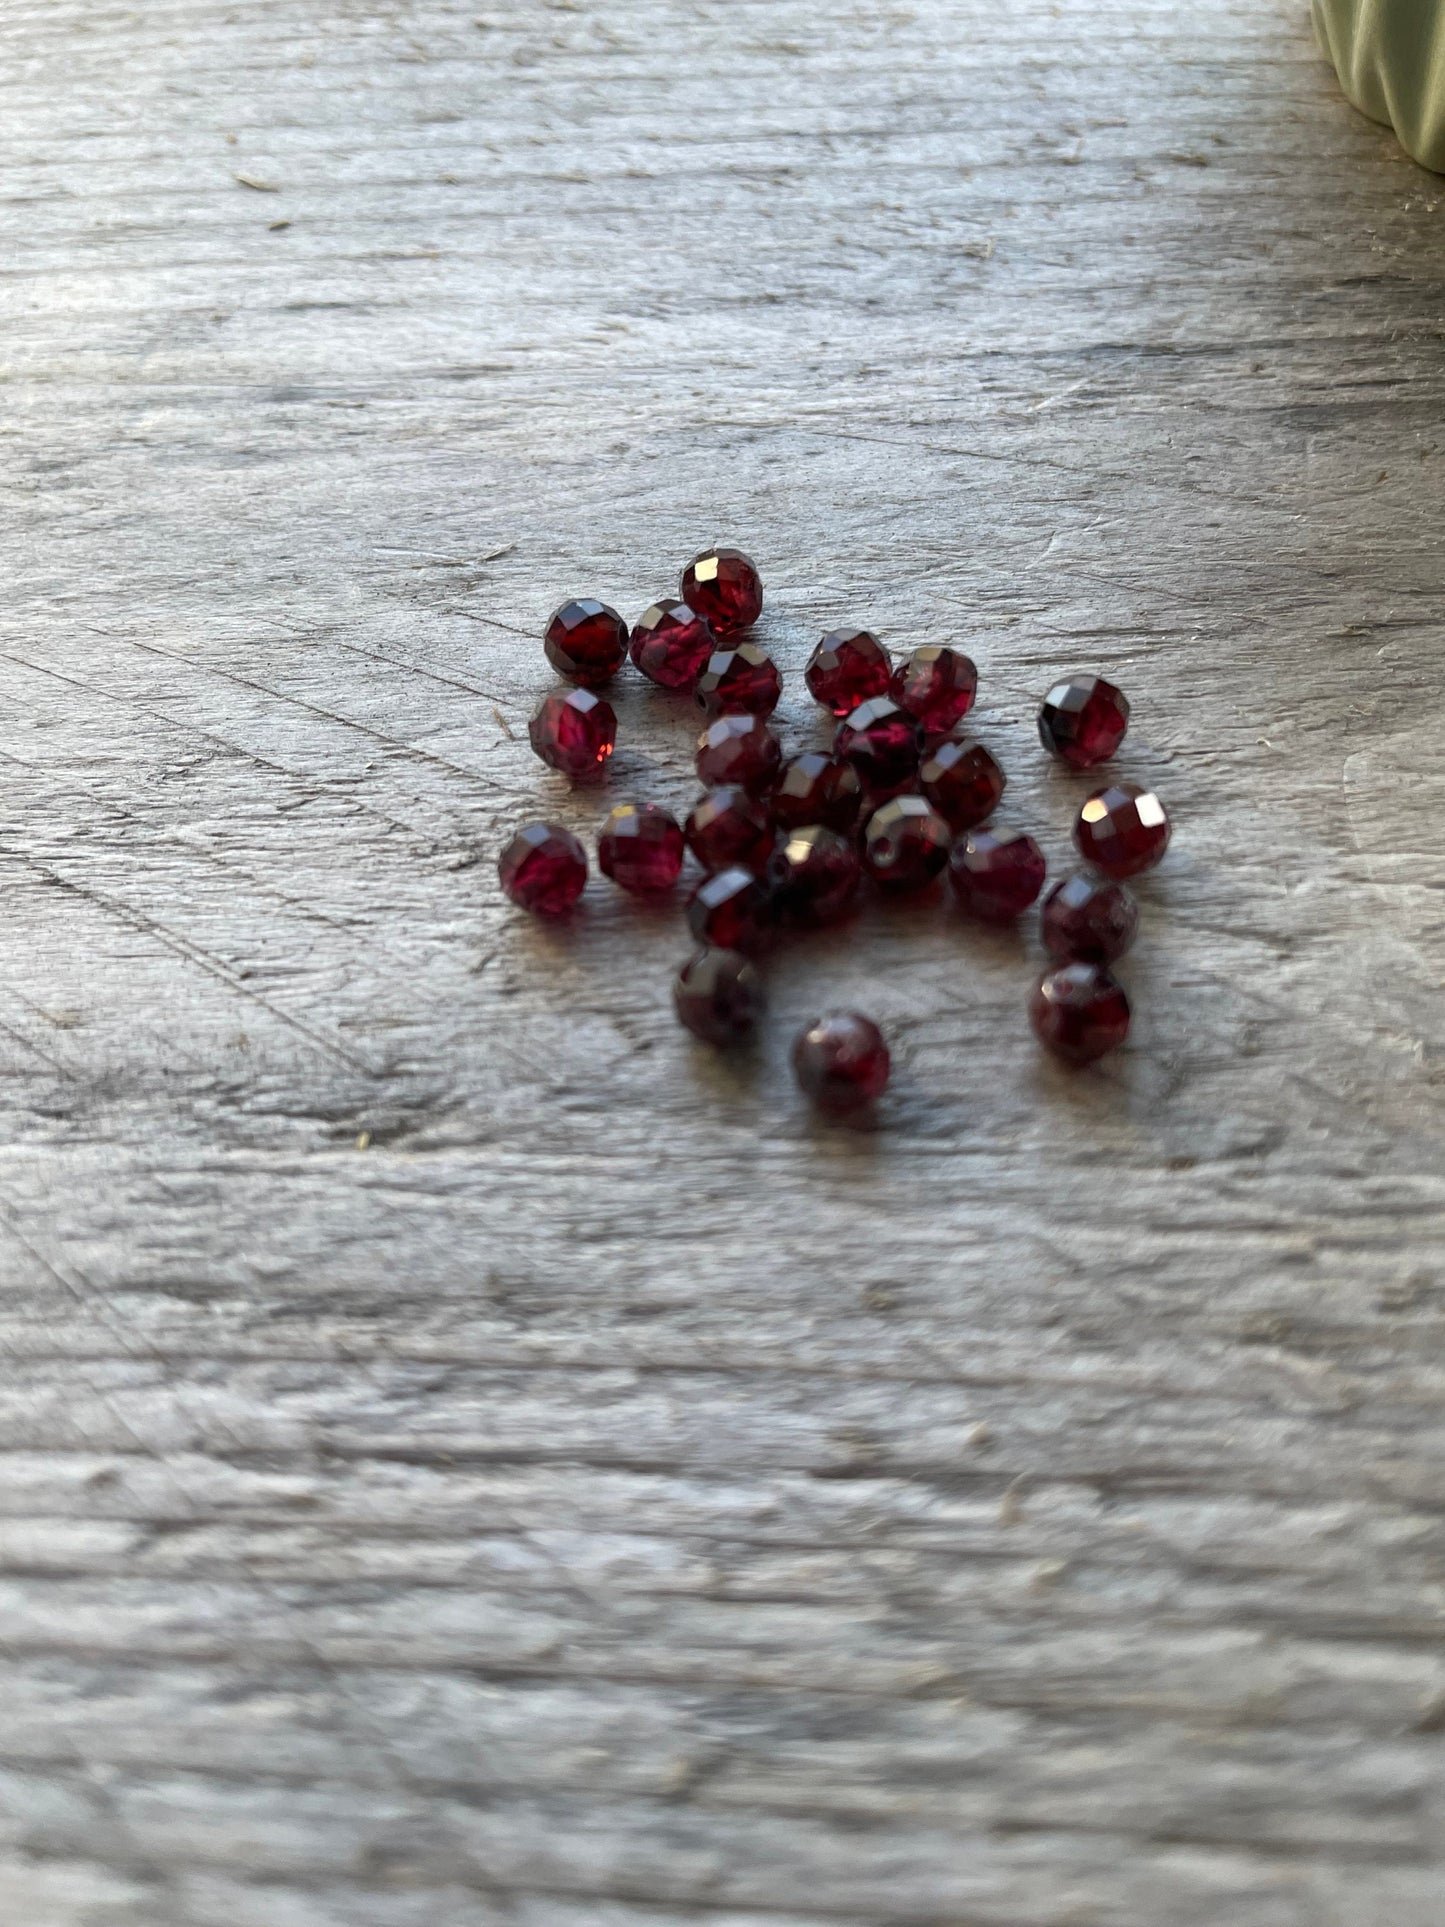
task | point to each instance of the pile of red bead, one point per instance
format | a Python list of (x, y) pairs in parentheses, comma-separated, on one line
[(901, 798)]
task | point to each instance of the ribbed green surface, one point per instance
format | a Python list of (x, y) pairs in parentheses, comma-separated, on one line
[(1390, 57)]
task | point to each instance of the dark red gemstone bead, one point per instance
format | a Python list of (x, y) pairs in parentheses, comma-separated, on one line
[(738, 749), (1122, 830), (730, 911), (724, 585), (719, 996), (728, 828), (962, 782), (817, 788), (641, 848), (742, 679), (847, 667), (1088, 920), (841, 1061), (906, 843), (937, 686), (1083, 720), (1079, 1012), (543, 868), (997, 876), (813, 875), (574, 732), (882, 742), (671, 644), (586, 641)]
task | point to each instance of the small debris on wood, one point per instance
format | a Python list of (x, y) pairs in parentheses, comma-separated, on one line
[(256, 184)]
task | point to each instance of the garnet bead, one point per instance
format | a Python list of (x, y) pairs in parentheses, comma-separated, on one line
[(882, 742), (671, 644), (728, 828), (1122, 830), (729, 911), (719, 996), (817, 788), (1079, 1012), (586, 641), (906, 843), (574, 732), (962, 782), (724, 585), (847, 667), (1083, 720), (744, 678), (841, 1061), (1088, 920), (937, 686), (543, 868), (641, 848), (996, 876), (813, 875), (738, 749)]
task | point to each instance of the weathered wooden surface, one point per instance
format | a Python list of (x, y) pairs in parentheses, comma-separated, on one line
[(607, 1499)]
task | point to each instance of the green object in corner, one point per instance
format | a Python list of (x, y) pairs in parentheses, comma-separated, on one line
[(1390, 57)]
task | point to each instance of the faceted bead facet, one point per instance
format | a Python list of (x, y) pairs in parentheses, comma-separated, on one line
[(847, 667), (816, 788), (1122, 830), (744, 678), (1082, 721), (586, 641), (882, 742), (996, 875), (724, 585), (574, 732), (841, 1061), (813, 875), (730, 910), (728, 828), (906, 843), (937, 686), (671, 644), (543, 868), (962, 782), (1088, 920), (641, 848), (738, 749), (718, 995), (1079, 1012)]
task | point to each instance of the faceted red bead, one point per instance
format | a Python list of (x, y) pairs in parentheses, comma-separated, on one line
[(1079, 1012), (1088, 920), (962, 782), (906, 843), (882, 742), (728, 828), (1083, 720), (1122, 830), (817, 788), (641, 848), (543, 868), (841, 1061), (574, 732), (586, 641), (671, 644), (724, 585), (997, 876), (741, 679), (937, 686), (813, 875), (847, 667), (719, 996), (738, 749), (730, 911)]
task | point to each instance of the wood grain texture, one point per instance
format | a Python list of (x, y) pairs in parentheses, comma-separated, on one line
[(609, 1499)]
